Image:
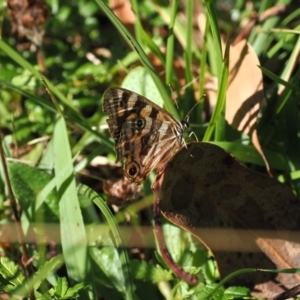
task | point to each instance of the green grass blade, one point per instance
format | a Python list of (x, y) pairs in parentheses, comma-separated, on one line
[(143, 57), (219, 109), (213, 23), (188, 54), (137, 24), (26, 65), (48, 268), (111, 221), (73, 235), (170, 44), (73, 118)]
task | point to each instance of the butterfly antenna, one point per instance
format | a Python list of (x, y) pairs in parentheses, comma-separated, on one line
[(188, 114)]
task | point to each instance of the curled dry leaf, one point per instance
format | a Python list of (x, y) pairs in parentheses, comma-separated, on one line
[(121, 190), (248, 220)]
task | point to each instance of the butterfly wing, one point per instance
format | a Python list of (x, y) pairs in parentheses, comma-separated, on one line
[(145, 134), (148, 148)]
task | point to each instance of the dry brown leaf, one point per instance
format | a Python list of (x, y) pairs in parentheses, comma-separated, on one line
[(245, 88), (121, 190), (245, 92), (244, 217), (28, 18), (122, 9)]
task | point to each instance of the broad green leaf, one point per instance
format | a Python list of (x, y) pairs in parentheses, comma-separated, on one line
[(139, 81)]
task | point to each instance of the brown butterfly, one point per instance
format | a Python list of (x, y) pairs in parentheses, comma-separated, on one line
[(145, 134)]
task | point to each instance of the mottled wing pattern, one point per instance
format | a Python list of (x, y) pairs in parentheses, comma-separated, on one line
[(144, 133)]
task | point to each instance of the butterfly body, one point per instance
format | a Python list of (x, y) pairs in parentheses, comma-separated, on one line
[(144, 133)]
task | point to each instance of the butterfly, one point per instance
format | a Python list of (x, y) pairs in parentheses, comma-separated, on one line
[(144, 133)]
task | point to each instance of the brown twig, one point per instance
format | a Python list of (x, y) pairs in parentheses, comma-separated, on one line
[(271, 12), (178, 270), (293, 292)]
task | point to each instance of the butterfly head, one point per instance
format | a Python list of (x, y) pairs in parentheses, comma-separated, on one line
[(185, 122)]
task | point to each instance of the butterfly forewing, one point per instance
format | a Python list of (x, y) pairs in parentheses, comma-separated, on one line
[(145, 134)]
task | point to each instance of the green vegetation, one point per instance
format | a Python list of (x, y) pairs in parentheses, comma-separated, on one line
[(77, 246)]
